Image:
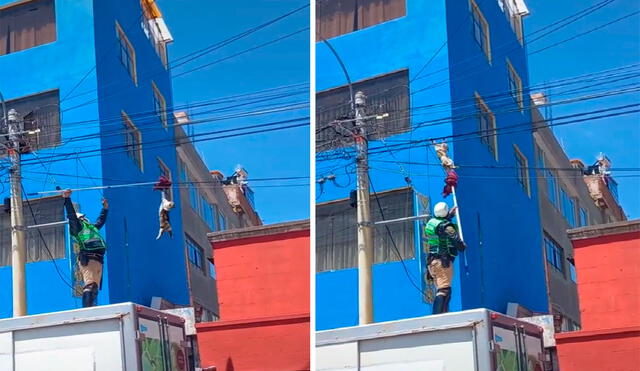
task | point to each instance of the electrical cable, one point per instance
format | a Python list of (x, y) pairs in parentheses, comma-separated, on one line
[(208, 49), (44, 242), (393, 243)]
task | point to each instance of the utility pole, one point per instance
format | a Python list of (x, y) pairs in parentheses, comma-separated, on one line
[(18, 245), (365, 231)]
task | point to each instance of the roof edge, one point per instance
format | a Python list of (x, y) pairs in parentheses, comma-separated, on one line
[(601, 230), (258, 231)]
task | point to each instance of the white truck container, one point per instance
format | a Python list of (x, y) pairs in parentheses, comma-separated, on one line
[(473, 340), (115, 337)]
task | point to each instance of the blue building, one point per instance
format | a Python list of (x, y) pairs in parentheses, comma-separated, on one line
[(93, 77), (447, 70)]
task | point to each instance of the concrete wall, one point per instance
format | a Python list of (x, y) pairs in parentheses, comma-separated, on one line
[(494, 207), (270, 344), (563, 293), (263, 286), (608, 261), (202, 287), (262, 271), (139, 267), (57, 65)]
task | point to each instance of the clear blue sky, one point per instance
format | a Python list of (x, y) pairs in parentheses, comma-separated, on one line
[(614, 46), (198, 23)]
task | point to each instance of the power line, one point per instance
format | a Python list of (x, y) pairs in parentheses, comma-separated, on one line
[(44, 243), (481, 57), (501, 131), (393, 242), (170, 141), (448, 120), (142, 77)]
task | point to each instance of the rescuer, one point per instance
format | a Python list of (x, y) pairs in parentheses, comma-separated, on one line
[(443, 244), (92, 247)]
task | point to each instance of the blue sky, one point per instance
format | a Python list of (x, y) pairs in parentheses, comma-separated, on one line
[(614, 46), (196, 24)]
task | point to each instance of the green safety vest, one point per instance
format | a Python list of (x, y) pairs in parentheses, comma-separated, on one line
[(436, 244), (89, 233)]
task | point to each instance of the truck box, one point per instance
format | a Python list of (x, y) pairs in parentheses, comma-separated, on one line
[(473, 340), (115, 337)]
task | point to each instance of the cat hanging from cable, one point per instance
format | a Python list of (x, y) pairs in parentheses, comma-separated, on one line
[(163, 186)]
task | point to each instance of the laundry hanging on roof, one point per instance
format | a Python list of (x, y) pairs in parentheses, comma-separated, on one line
[(163, 185)]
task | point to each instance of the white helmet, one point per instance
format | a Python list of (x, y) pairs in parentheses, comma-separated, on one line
[(80, 215), (441, 210)]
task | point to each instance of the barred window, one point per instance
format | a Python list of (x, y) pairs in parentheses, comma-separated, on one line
[(46, 210), (41, 116), (336, 231), (339, 17), (27, 25), (387, 96)]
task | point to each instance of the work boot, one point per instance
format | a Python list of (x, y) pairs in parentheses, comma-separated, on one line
[(87, 299), (439, 304)]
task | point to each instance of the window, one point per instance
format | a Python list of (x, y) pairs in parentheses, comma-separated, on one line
[(336, 231), (487, 126), (127, 54), (166, 172), (480, 29), (572, 272), (41, 115), (208, 214), (515, 85), (132, 141), (222, 222), (584, 218), (155, 29), (551, 187), (568, 208), (27, 25), (182, 172), (160, 106), (515, 20), (212, 268), (555, 254), (194, 196), (539, 157), (522, 170), (46, 210), (339, 17), (388, 96), (195, 253)]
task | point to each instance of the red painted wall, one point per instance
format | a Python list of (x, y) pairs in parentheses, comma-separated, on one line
[(608, 269), (263, 290), (275, 344), (609, 350), (263, 276)]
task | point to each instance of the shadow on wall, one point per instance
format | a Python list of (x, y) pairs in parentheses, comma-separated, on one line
[(229, 365)]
